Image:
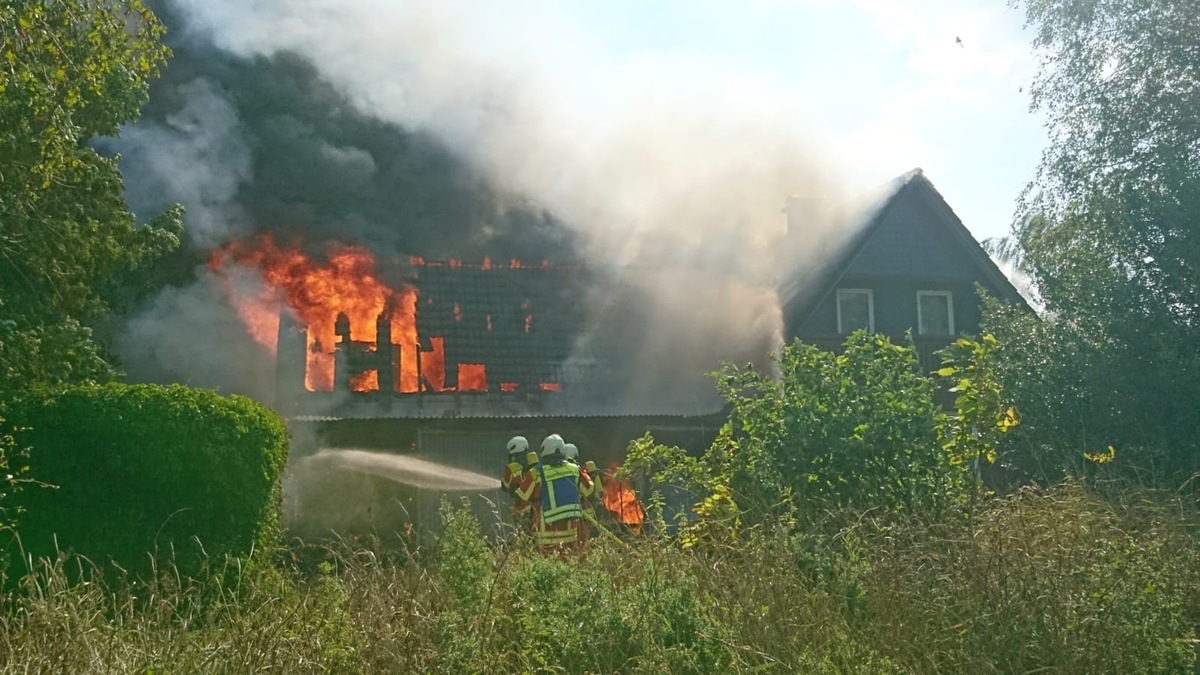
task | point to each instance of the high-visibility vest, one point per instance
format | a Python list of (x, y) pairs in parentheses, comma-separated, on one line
[(560, 492)]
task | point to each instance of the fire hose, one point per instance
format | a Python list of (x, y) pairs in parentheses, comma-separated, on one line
[(592, 519)]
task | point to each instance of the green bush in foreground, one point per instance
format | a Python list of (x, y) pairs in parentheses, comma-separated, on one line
[(141, 470)]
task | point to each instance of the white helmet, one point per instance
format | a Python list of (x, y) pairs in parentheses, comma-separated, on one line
[(518, 445), (570, 452), (553, 444)]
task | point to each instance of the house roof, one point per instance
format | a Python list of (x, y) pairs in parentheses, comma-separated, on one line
[(520, 322), (563, 341), (805, 289), (545, 338)]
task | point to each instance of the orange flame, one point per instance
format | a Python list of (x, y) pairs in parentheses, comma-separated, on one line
[(366, 381), (433, 366), (316, 293), (261, 316), (621, 500), (472, 377)]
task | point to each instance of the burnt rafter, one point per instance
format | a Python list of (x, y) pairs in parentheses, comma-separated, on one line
[(459, 329)]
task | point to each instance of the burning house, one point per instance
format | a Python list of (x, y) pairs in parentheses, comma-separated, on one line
[(404, 257), (443, 363), (444, 360)]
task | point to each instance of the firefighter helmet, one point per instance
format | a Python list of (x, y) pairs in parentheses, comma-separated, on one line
[(570, 451), (517, 445), (553, 444)]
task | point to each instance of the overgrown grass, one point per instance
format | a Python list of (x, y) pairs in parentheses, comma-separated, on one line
[(1059, 580)]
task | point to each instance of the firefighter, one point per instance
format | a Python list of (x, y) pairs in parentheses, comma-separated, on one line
[(514, 473), (571, 454), (553, 487), (597, 490)]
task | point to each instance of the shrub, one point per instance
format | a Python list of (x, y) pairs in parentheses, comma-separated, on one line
[(1084, 383), (1056, 580), (138, 470), (828, 432), (1061, 580), (619, 608)]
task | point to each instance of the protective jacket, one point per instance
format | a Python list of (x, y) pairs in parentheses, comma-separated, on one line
[(597, 493), (513, 474), (554, 489)]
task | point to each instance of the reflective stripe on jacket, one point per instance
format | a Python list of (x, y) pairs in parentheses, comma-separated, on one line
[(560, 492)]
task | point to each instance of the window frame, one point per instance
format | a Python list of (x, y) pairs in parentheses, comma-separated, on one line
[(870, 308), (949, 295)]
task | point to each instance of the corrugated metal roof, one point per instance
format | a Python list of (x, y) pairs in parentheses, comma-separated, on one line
[(629, 414), (468, 406)]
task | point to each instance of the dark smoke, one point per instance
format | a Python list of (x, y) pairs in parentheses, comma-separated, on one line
[(669, 213), (286, 152), (265, 145)]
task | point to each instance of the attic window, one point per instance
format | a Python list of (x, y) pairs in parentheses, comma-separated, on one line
[(935, 312), (855, 310)]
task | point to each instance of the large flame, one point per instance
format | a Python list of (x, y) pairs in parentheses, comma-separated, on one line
[(317, 293), (621, 500)]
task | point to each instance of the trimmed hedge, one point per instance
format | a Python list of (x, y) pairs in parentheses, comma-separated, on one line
[(147, 469)]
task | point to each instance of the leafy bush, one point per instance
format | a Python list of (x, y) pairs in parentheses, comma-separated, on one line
[(1083, 383), (859, 429), (613, 610), (138, 470)]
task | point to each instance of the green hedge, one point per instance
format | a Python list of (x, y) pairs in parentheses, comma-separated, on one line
[(149, 469)]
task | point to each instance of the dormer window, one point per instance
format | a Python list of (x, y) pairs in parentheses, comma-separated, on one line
[(855, 310), (935, 312)]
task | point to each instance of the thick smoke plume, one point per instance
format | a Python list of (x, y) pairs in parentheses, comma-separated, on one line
[(425, 128)]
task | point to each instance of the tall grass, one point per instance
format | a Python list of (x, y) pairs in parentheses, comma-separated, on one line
[(1057, 581)]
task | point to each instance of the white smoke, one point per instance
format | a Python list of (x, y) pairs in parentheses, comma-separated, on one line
[(198, 158), (643, 157), (668, 163), (190, 335)]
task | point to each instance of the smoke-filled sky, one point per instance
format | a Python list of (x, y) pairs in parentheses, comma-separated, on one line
[(621, 133), (553, 96), (883, 83)]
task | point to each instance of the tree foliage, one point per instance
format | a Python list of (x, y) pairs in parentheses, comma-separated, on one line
[(69, 70), (1110, 234), (1113, 214), (842, 432), (857, 428), (1119, 82)]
